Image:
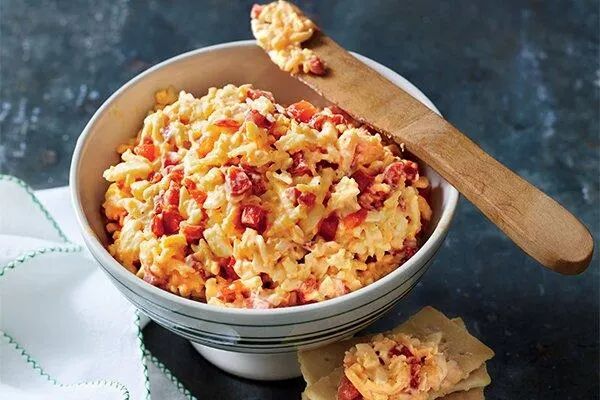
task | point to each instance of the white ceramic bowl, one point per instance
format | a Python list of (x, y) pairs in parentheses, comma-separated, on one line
[(258, 344)]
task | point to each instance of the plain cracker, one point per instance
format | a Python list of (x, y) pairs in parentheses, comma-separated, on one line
[(477, 379)]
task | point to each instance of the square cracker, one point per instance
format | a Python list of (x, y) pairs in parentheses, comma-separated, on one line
[(322, 372), (318, 363), (325, 388), (477, 379), (468, 352)]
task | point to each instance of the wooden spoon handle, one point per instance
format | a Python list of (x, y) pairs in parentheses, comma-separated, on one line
[(535, 222)]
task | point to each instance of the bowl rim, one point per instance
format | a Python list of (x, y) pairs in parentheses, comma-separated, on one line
[(108, 261)]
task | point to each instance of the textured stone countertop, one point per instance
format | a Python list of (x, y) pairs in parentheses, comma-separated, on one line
[(521, 77)]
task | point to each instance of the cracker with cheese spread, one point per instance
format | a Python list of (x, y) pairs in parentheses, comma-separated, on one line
[(427, 357)]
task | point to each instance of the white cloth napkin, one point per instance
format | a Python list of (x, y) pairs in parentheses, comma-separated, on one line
[(65, 331)]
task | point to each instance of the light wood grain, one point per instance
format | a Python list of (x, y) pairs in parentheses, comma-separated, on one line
[(535, 222)]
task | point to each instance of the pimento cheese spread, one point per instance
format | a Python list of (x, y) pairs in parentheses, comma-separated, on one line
[(235, 200), (393, 367), (280, 28)]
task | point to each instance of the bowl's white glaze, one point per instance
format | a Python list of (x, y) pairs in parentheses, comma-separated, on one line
[(235, 332)]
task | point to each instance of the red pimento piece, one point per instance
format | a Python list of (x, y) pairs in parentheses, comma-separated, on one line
[(260, 120), (171, 158), (267, 282), (372, 200), (189, 184), (259, 187), (317, 121), (299, 165), (292, 299), (227, 123), (257, 93), (226, 269), (232, 161), (192, 233), (238, 181), (415, 379), (338, 119), (171, 220), (301, 298), (256, 10), (147, 150), (198, 195), (307, 199), (303, 198), (363, 179), (395, 351), (347, 391), (155, 177), (302, 111), (393, 173), (326, 164), (171, 196), (411, 170), (316, 66), (401, 350), (292, 194), (174, 173), (328, 227), (157, 226), (355, 219), (254, 217)]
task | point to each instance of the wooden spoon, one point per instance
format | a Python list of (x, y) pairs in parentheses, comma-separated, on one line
[(535, 222)]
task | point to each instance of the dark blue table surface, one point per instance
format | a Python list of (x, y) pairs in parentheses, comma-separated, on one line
[(521, 77)]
